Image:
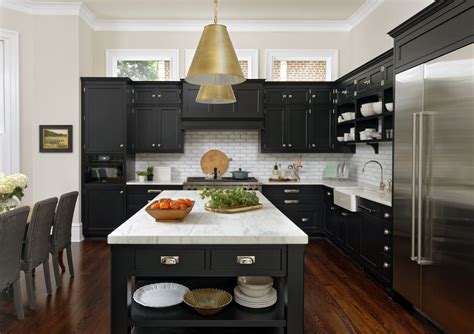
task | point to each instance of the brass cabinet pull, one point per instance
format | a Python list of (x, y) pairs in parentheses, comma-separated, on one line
[(169, 260), (291, 201), (154, 191), (291, 191), (328, 193), (386, 265), (386, 248), (246, 259), (386, 231)]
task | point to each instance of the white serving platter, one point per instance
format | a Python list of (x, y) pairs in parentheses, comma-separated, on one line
[(160, 294)]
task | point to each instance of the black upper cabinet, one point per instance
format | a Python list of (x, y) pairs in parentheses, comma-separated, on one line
[(104, 107), (157, 94), (291, 95), (157, 129), (249, 103), (297, 130), (275, 128), (320, 120)]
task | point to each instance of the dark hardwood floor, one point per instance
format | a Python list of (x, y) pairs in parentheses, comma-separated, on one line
[(339, 298)]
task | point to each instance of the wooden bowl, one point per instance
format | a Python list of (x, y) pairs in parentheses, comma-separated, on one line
[(207, 301), (168, 215)]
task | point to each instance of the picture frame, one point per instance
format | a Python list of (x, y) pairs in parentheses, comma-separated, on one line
[(55, 138)]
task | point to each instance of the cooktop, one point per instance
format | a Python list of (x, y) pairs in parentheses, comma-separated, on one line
[(221, 179)]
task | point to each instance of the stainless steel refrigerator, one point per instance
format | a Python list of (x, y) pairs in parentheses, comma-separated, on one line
[(433, 203)]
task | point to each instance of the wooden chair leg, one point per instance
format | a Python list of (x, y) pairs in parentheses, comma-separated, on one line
[(57, 276), (18, 300), (61, 260), (47, 277), (69, 260), (29, 290)]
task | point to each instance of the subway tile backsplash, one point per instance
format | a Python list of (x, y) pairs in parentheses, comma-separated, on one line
[(243, 146)]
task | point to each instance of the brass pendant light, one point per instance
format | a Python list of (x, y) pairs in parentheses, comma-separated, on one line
[(215, 61), (216, 94)]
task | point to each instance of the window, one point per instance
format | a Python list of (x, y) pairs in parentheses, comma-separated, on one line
[(9, 103), (301, 65), (248, 60), (143, 65)]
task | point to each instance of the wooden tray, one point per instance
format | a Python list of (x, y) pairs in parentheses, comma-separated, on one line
[(236, 209), (168, 216)]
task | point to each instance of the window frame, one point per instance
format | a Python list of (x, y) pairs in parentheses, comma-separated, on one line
[(112, 56), (249, 55), (10, 138), (328, 55)]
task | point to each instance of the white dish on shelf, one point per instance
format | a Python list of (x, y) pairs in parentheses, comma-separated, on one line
[(261, 302), (370, 130), (376, 135), (389, 106), (377, 107), (340, 139), (160, 294), (254, 293), (347, 116), (367, 112), (255, 282)]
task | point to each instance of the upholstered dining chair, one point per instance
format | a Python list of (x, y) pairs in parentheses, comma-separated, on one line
[(61, 237), (12, 231), (36, 247)]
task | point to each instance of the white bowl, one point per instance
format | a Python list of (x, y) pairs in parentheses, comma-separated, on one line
[(255, 282), (340, 138), (370, 130), (367, 112), (389, 106), (254, 293), (363, 136), (377, 107), (347, 116), (353, 115)]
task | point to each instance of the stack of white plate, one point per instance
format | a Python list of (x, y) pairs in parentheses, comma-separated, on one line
[(255, 291)]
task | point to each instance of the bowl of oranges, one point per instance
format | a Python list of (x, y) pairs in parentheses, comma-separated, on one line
[(168, 210)]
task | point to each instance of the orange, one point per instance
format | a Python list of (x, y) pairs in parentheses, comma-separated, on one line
[(164, 205), (174, 205), (188, 202), (155, 205)]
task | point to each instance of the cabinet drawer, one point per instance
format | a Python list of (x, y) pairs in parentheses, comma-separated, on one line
[(247, 259), (303, 216), (292, 190), (151, 190), (170, 260)]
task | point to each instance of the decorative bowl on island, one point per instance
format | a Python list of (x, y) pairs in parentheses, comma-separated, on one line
[(170, 212), (207, 301)]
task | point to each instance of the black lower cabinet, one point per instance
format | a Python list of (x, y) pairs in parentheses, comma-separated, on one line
[(104, 209), (371, 243), (331, 218), (302, 204)]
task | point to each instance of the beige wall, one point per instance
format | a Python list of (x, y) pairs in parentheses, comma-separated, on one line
[(49, 94), (370, 38), (85, 49)]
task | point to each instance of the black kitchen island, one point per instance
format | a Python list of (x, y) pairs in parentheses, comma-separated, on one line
[(208, 250)]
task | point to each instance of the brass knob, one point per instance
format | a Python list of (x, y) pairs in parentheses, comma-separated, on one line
[(246, 259), (387, 215), (305, 220), (289, 145), (386, 265), (386, 232), (386, 248), (169, 260)]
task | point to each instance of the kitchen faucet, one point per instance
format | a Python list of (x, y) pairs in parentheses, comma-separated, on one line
[(382, 184)]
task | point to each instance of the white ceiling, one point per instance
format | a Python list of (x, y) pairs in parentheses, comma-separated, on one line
[(228, 9)]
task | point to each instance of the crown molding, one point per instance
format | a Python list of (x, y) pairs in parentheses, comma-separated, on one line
[(80, 9)]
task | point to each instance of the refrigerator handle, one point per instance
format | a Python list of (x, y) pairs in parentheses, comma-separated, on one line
[(413, 257)]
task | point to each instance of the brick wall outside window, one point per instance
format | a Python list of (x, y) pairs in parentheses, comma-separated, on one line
[(244, 64), (299, 70)]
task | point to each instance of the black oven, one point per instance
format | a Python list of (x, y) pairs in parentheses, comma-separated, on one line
[(104, 168)]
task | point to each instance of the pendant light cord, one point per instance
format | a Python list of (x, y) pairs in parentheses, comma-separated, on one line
[(215, 11)]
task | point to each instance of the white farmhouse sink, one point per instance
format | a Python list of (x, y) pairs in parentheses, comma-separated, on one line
[(348, 197)]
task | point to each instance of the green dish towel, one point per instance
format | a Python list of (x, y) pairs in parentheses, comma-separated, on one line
[(330, 171)]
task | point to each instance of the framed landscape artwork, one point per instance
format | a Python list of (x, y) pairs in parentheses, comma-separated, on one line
[(55, 138)]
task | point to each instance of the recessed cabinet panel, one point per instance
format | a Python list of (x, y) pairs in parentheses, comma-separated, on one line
[(274, 128), (105, 207), (145, 95), (297, 137), (297, 96), (169, 95), (171, 134), (249, 101), (102, 104), (375, 77), (157, 94), (192, 109), (145, 131), (370, 241), (275, 96)]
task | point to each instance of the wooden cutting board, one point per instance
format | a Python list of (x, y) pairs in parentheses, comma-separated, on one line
[(235, 209), (215, 159)]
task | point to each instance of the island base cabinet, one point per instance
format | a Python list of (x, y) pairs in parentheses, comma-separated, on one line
[(143, 263)]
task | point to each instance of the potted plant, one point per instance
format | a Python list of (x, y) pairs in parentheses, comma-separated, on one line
[(142, 175), (11, 190), (149, 173)]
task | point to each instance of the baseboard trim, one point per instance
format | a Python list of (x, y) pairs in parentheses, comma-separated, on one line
[(76, 232)]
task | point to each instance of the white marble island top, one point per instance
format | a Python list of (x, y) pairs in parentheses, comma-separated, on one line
[(264, 226)]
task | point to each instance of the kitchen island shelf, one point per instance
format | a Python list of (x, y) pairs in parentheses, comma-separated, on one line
[(232, 315)]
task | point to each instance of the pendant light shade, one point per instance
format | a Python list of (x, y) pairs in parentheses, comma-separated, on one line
[(215, 61), (216, 94)]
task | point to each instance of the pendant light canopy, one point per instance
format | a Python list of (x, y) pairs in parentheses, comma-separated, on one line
[(215, 61), (216, 94)]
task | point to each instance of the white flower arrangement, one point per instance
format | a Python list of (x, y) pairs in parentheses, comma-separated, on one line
[(12, 186)]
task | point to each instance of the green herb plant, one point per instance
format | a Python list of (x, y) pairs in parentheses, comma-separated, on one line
[(229, 198), (142, 173)]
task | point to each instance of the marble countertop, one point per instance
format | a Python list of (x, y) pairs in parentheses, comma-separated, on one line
[(264, 226), (155, 183)]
